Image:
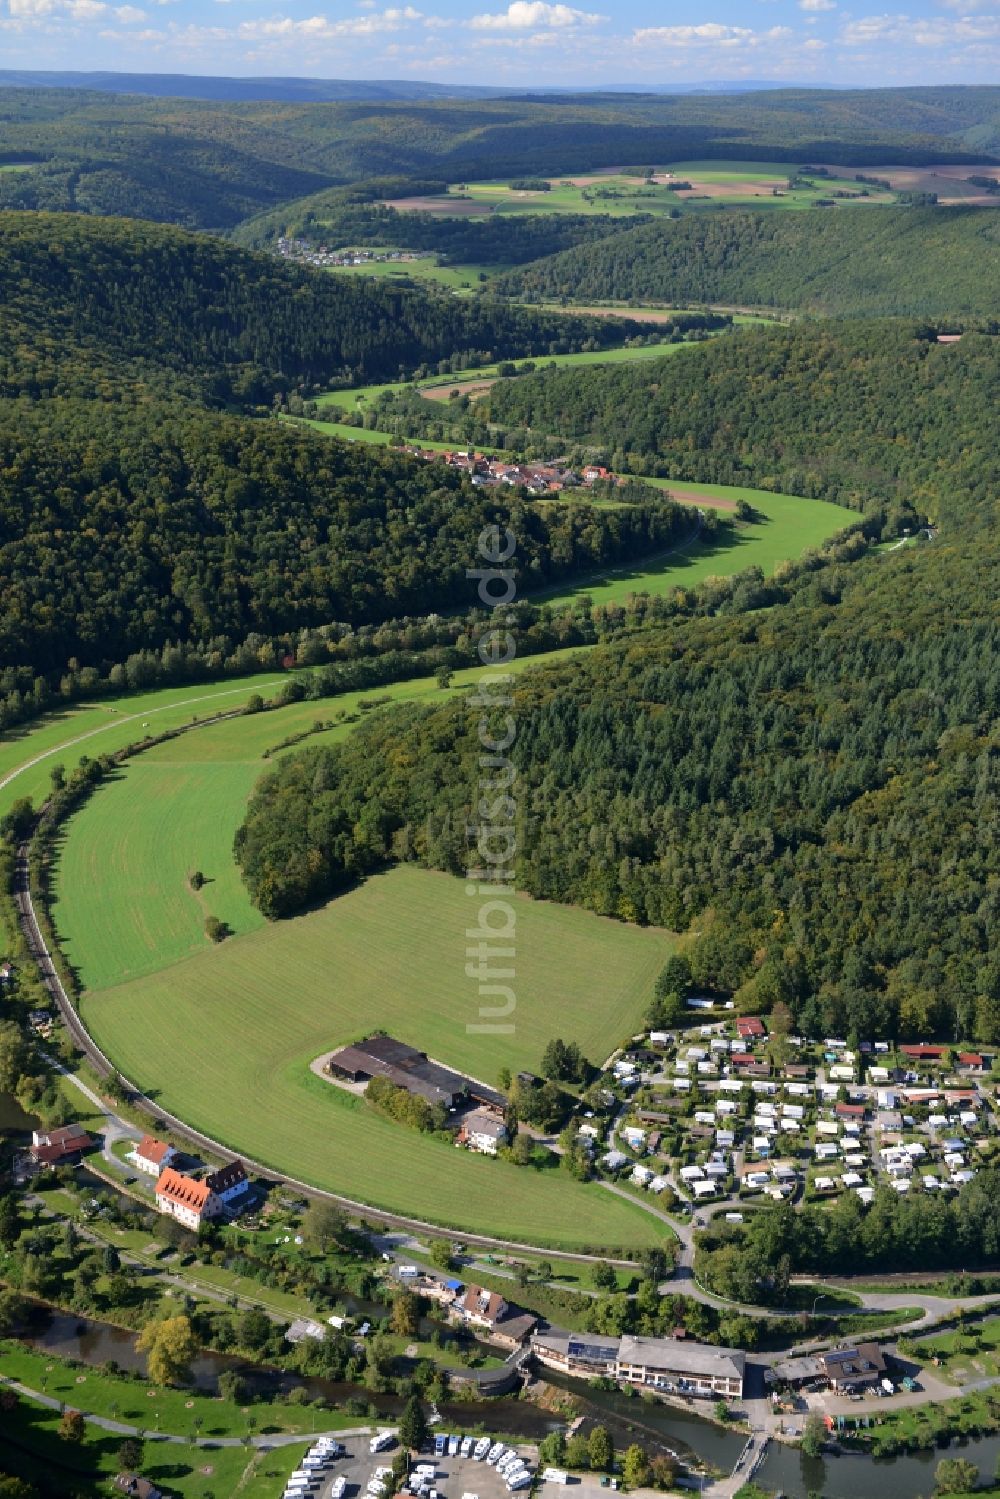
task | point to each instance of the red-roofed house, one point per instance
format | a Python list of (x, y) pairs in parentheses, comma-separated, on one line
[(971, 1061), (921, 1052), (54, 1146), (851, 1110), (152, 1155), (190, 1202), (749, 1028)]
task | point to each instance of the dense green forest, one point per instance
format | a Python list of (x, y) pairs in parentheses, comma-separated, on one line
[(812, 791), (210, 164), (858, 412), (126, 526), (86, 301), (931, 262)]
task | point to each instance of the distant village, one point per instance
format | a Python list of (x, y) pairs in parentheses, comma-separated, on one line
[(303, 252), (537, 478)]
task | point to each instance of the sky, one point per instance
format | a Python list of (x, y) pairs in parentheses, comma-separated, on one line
[(520, 42)]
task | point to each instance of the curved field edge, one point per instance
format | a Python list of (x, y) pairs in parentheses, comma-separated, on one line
[(224, 1040)]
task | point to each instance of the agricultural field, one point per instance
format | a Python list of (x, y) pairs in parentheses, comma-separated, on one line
[(123, 902), (365, 395), (225, 1040), (787, 527), (276, 996), (758, 184), (426, 269)]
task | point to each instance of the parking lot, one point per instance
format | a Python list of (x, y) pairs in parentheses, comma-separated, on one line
[(454, 1477)]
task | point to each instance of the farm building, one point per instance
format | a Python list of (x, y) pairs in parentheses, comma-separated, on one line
[(56, 1146), (405, 1067)]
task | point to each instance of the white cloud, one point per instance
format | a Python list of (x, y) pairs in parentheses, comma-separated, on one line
[(814, 5), (930, 31), (527, 15), (129, 14), (322, 29), (709, 34)]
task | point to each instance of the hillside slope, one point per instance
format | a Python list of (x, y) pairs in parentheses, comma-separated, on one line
[(929, 262), (81, 295)]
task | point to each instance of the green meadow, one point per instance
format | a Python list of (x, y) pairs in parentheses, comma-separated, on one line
[(788, 527), (225, 1038)]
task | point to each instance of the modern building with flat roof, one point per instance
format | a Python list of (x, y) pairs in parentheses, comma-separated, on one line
[(672, 1365)]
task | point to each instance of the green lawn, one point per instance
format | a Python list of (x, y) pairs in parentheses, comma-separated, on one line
[(428, 268), (34, 1450), (792, 525), (135, 1402), (967, 1354), (123, 904)]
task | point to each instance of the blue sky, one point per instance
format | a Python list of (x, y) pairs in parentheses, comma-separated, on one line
[(849, 42)]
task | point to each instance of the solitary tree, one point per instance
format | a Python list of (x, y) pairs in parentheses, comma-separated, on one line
[(72, 1427), (169, 1346), (955, 1475), (636, 1466), (600, 1449), (604, 1275), (813, 1436), (130, 1454), (412, 1425)]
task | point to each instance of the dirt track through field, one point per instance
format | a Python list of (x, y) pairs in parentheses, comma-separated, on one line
[(462, 388)]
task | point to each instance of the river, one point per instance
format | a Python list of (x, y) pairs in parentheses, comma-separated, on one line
[(656, 1426), (854, 1476)]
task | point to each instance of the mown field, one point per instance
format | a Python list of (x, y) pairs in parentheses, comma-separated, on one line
[(789, 527), (123, 902), (461, 277), (364, 395), (224, 1039), (224, 1036)]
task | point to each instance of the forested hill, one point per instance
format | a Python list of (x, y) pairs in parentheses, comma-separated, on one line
[(812, 790), (932, 262), (212, 164), (863, 413), (124, 527), (85, 299)]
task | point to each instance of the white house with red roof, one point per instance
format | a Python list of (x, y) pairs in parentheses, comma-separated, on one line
[(191, 1202), (152, 1155)]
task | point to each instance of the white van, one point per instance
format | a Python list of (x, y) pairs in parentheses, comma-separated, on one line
[(380, 1442), (555, 1475)]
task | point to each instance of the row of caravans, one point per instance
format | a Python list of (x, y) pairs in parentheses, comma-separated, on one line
[(310, 1473), (506, 1460)]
